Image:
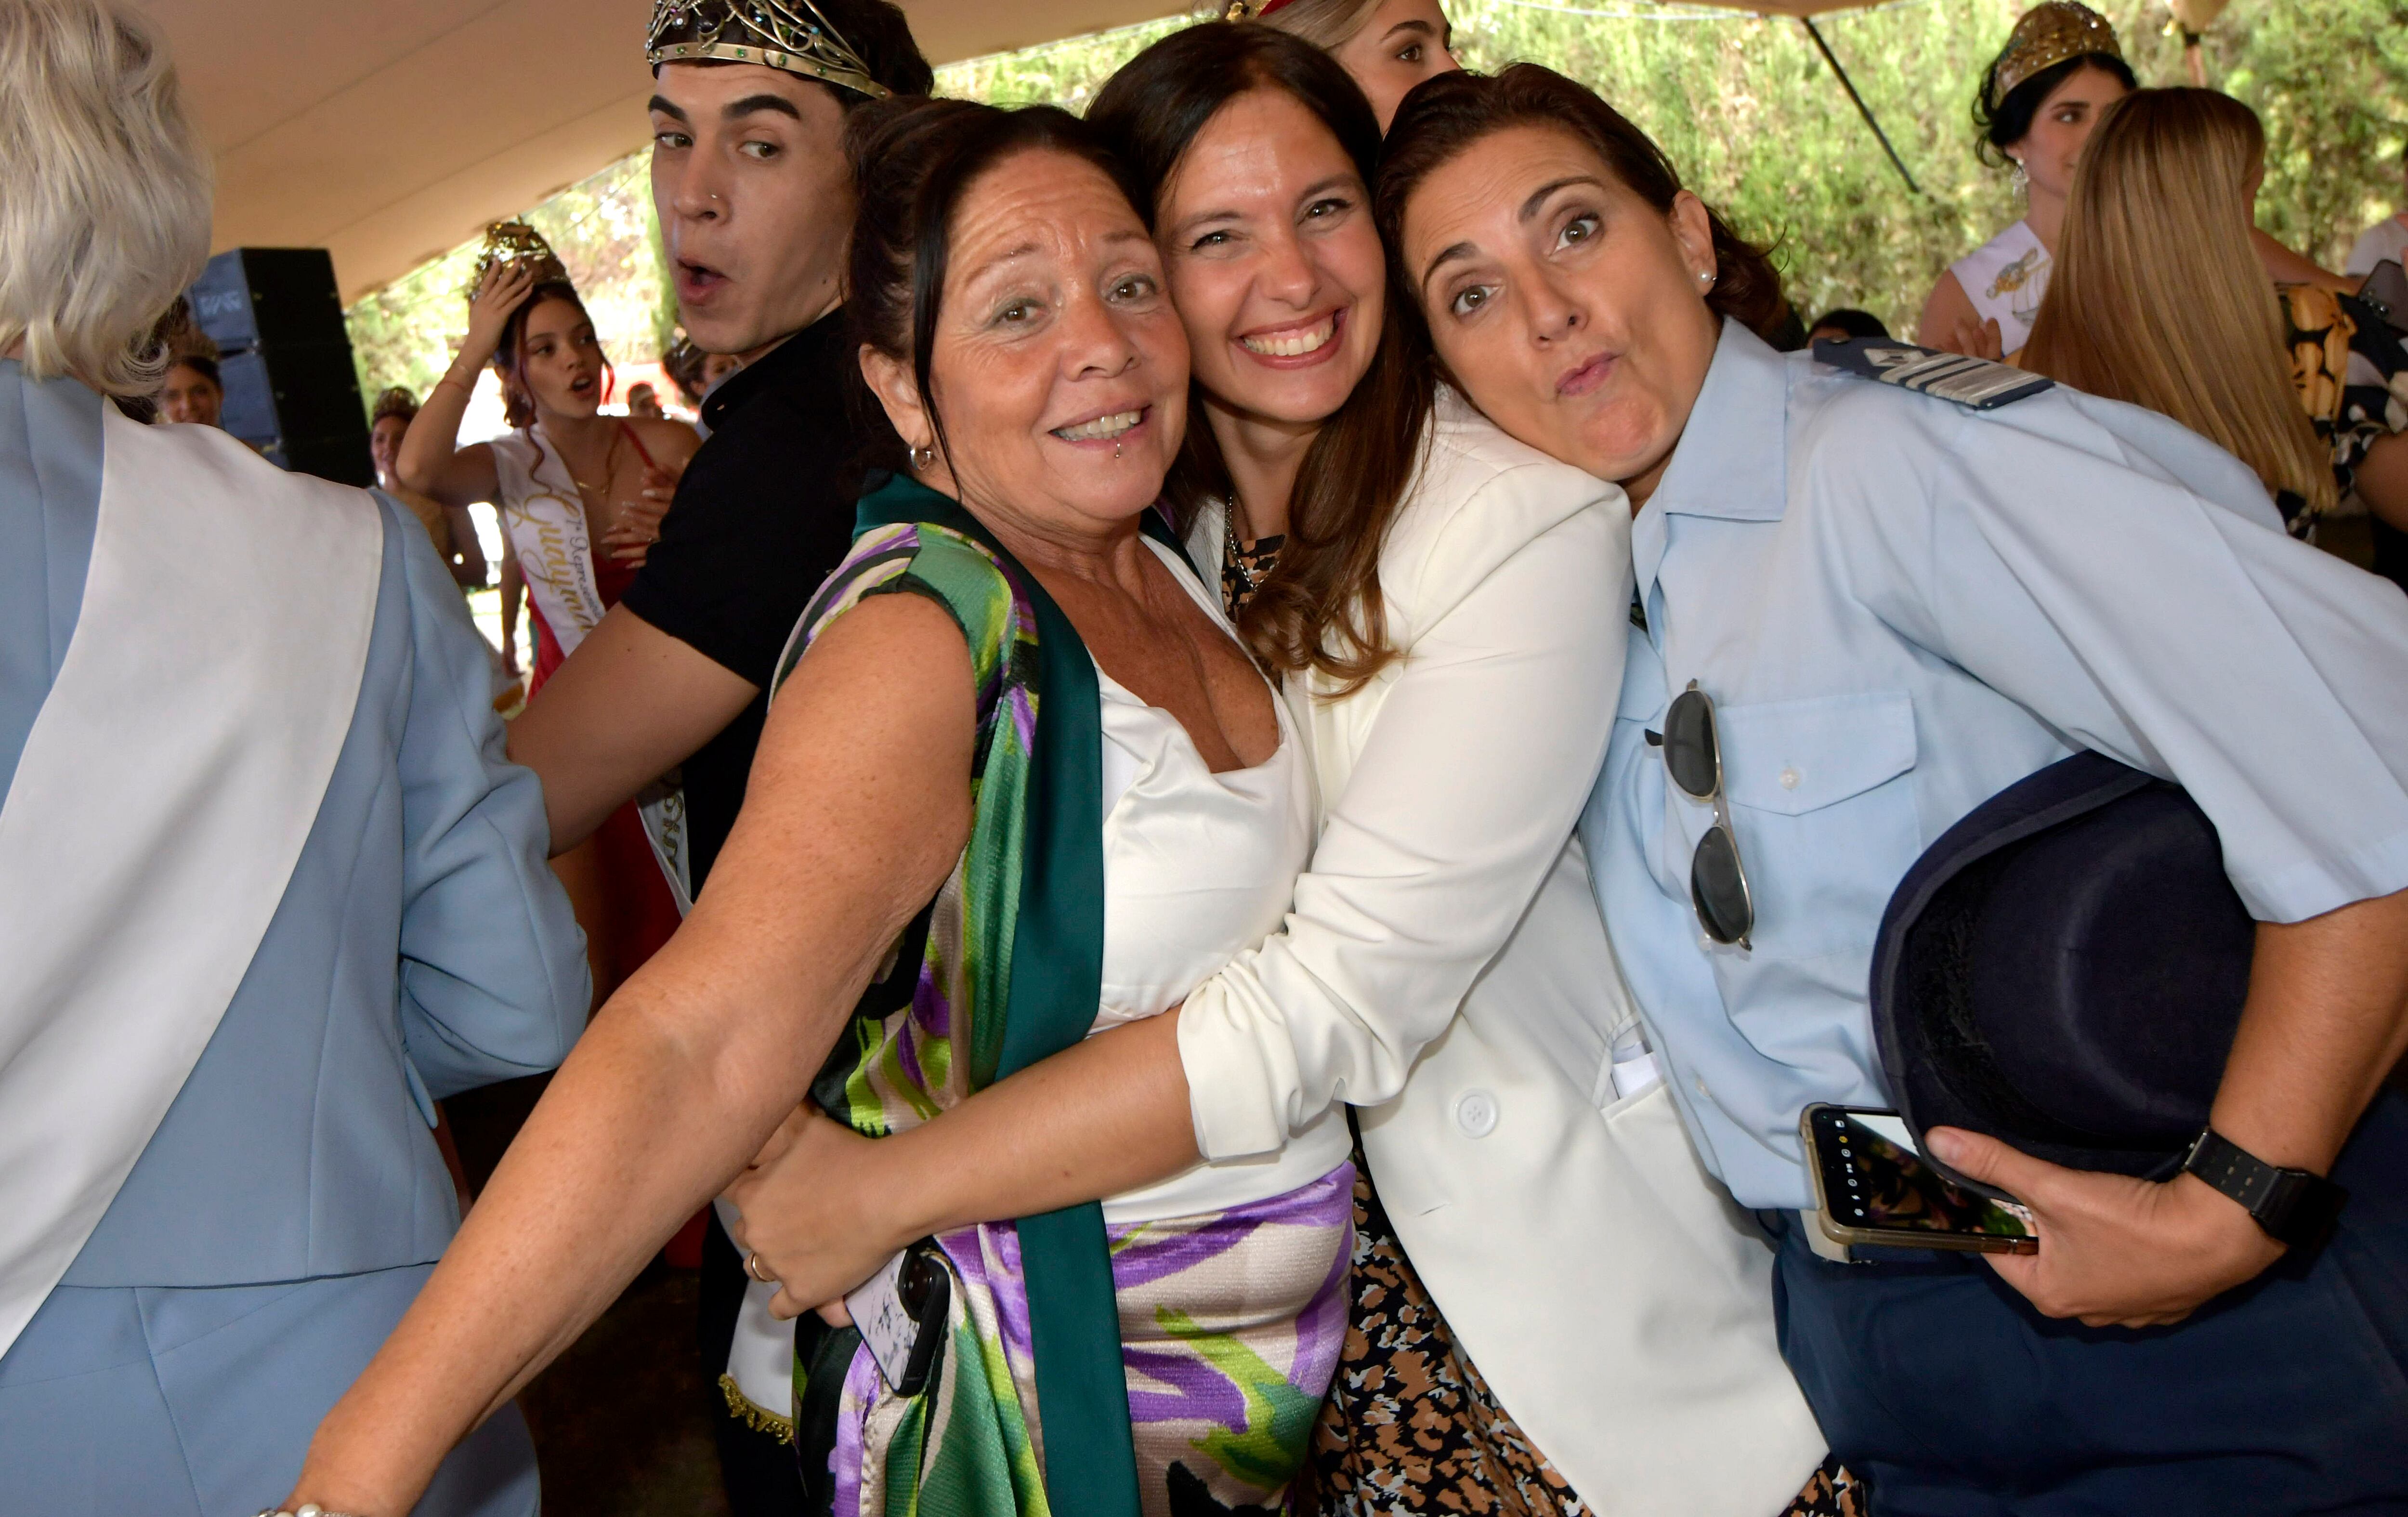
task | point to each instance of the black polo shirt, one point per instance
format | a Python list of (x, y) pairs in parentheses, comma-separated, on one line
[(764, 514)]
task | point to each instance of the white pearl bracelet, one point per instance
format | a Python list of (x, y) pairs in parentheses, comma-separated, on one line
[(306, 1509)]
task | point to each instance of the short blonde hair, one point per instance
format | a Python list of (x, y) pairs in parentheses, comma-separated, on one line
[(2158, 297), (105, 206)]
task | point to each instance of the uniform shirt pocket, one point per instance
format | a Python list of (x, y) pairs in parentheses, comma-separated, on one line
[(1822, 796)]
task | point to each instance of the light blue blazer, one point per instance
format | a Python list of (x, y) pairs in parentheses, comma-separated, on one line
[(293, 1200)]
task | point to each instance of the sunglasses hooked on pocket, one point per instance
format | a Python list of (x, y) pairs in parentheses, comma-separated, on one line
[(1693, 760)]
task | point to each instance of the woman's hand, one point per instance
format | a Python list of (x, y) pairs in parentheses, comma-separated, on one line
[(503, 289), (2114, 1252), (820, 1206), (631, 537), (1976, 339)]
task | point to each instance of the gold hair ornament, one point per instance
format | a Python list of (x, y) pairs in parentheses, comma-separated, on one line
[(515, 242), (790, 36), (2047, 35)]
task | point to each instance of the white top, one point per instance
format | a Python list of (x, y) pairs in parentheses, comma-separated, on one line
[(2386, 239), (1447, 868), (2005, 279), (1196, 867), (1446, 968)]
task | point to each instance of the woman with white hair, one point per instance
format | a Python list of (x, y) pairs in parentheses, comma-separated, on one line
[(267, 887)]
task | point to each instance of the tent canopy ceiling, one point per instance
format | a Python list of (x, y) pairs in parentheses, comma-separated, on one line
[(391, 132)]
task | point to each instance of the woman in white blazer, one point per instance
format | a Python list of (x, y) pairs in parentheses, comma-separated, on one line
[(1444, 967)]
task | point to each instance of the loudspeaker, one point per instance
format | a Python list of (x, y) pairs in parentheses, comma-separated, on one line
[(291, 390)]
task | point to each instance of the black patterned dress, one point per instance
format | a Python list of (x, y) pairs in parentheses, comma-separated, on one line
[(1409, 1426)]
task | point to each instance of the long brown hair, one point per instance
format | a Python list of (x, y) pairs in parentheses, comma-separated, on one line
[(1445, 115), (2158, 297), (1321, 608)]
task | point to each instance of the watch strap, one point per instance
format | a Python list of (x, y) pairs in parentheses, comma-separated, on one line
[(2294, 1207)]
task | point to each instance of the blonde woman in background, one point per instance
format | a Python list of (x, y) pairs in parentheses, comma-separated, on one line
[(1387, 46), (2161, 299)]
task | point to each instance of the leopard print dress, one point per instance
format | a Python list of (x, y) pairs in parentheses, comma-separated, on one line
[(1410, 1427)]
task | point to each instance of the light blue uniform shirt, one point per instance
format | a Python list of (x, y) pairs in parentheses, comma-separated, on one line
[(1901, 607)]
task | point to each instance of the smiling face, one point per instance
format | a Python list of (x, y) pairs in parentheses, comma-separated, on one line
[(188, 396), (1273, 261), (2051, 146), (1568, 310), (1403, 43), (561, 362), (1059, 364), (384, 443), (754, 198)]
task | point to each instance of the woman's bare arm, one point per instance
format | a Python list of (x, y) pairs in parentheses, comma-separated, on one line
[(824, 1207), (858, 808)]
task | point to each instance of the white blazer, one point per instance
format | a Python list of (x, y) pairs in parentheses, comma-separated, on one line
[(1445, 968)]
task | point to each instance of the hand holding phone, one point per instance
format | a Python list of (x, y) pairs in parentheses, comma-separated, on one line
[(1871, 1188), (901, 1312)]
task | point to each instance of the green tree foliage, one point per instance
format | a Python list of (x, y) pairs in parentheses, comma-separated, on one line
[(603, 229), (1745, 107), (1754, 121)]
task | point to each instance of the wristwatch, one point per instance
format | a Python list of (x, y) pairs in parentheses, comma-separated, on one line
[(2294, 1205)]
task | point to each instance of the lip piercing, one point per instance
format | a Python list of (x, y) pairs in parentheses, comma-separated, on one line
[(1116, 449)]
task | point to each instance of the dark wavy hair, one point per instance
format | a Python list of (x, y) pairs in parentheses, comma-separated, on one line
[(1445, 115), (1320, 607), (2006, 123), (913, 159), (509, 354)]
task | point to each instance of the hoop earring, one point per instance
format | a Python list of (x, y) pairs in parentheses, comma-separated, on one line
[(921, 458)]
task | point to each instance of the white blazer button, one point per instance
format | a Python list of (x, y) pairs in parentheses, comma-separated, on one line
[(1475, 1112), (1789, 780)]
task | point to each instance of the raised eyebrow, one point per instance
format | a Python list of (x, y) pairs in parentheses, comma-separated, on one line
[(663, 105), (1538, 200), (990, 266), (753, 104), (1445, 256)]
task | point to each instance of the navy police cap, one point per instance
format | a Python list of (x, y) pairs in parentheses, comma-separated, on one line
[(2064, 970)]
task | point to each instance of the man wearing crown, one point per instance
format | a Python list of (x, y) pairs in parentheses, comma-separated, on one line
[(756, 206)]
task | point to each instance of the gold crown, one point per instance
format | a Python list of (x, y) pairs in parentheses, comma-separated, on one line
[(2048, 34), (789, 34), (515, 242)]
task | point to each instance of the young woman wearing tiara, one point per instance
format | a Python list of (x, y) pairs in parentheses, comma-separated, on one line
[(566, 482), (2039, 101)]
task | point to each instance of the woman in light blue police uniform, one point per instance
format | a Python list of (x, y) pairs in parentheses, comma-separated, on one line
[(1900, 603), (267, 887)]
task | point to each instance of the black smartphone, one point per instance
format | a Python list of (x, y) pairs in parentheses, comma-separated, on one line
[(901, 1312), (1872, 1187), (2387, 288)]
